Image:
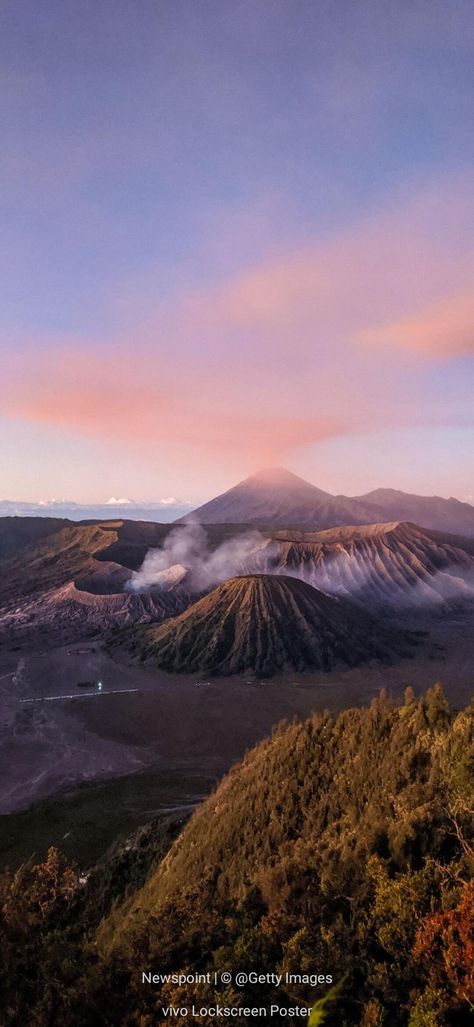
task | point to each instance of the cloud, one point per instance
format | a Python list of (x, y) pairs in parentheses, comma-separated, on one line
[(445, 330), (158, 402), (282, 354)]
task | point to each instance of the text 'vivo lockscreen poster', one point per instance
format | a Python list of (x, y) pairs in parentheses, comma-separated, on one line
[(236, 513)]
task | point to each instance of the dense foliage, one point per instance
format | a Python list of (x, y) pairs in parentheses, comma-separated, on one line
[(340, 846)]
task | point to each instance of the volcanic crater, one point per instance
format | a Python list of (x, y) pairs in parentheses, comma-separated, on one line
[(265, 624)]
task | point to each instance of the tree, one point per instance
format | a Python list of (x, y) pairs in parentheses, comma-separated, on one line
[(444, 945)]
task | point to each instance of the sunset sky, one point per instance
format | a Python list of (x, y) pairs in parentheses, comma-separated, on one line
[(235, 233)]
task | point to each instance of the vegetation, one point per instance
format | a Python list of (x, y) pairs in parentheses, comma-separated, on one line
[(341, 846)]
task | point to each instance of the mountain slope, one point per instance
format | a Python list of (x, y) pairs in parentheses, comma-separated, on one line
[(276, 497), (16, 533), (265, 624), (449, 515), (338, 850), (72, 551), (75, 579), (69, 611), (70, 584), (327, 848), (98, 556), (350, 764), (378, 565)]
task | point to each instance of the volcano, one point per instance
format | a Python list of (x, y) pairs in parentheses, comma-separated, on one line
[(264, 624), (276, 498)]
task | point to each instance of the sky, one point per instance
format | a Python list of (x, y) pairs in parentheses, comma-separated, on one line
[(235, 234)]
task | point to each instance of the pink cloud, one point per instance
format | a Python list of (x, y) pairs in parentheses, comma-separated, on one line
[(276, 357), (445, 329), (411, 254), (144, 405)]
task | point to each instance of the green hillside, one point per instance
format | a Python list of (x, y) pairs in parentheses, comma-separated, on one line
[(341, 847)]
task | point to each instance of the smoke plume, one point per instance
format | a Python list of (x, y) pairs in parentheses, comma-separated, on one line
[(186, 554), (369, 578)]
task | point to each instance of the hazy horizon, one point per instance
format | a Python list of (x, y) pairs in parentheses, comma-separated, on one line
[(174, 506)]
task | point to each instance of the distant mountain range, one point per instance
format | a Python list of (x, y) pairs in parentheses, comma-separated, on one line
[(272, 498), (163, 511), (449, 515), (277, 498)]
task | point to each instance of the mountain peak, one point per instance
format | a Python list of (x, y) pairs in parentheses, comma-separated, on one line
[(276, 497), (273, 497), (276, 476), (264, 624)]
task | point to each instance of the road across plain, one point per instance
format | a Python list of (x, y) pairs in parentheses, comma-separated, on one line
[(81, 695)]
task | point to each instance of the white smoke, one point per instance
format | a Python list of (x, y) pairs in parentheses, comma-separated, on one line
[(358, 579), (185, 557), (186, 554)]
